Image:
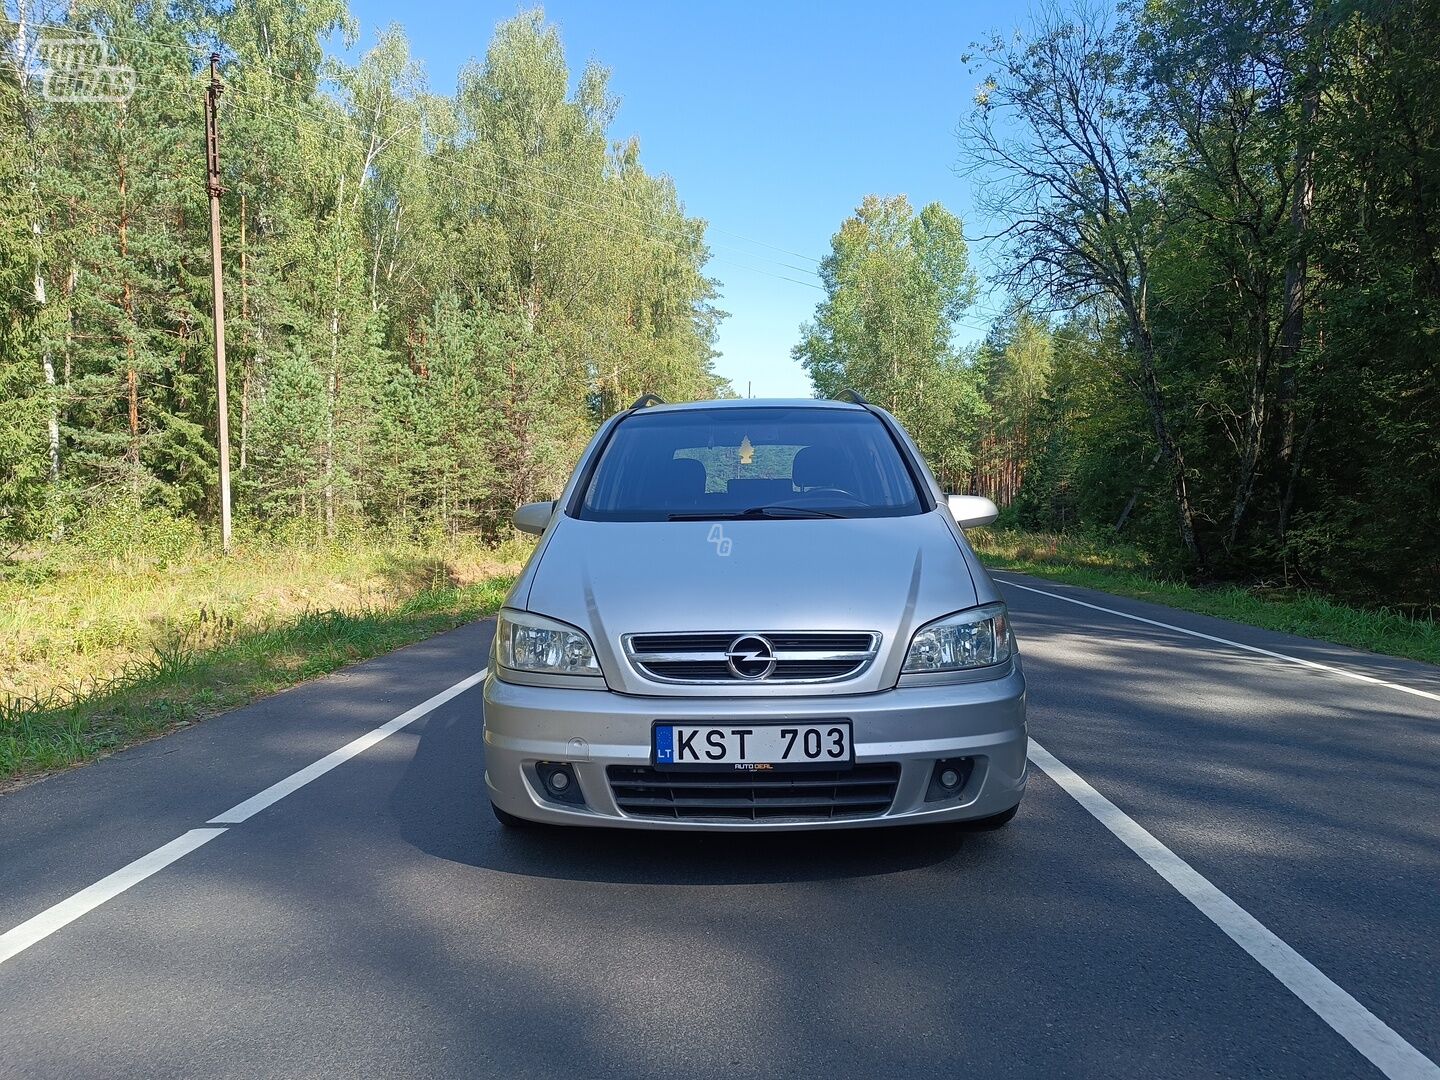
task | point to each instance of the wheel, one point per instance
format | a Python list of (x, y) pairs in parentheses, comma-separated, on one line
[(998, 821), (509, 820)]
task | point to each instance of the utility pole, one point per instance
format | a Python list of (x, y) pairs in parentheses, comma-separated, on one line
[(212, 188)]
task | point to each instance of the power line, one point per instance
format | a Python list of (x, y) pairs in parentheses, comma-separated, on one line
[(107, 35), (780, 277), (311, 112), (203, 50), (528, 166), (434, 169)]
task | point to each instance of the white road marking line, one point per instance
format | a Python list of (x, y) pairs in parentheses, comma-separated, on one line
[(67, 911), (296, 780), (1357, 1025), (1233, 644), (107, 888)]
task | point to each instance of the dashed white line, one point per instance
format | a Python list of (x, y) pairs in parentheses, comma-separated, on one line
[(1362, 1029), (107, 888), (1344, 672), (296, 780), (67, 911)]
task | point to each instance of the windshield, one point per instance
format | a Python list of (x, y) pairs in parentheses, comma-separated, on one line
[(763, 462)]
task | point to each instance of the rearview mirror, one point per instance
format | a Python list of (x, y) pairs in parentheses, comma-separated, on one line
[(971, 511), (533, 517)]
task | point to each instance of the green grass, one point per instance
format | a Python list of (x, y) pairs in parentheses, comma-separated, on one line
[(100, 651), (99, 654), (1124, 570)]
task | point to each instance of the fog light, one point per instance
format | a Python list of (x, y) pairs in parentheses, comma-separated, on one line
[(949, 778), (559, 781)]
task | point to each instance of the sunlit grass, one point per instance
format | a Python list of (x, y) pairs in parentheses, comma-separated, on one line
[(1124, 570), (96, 654)]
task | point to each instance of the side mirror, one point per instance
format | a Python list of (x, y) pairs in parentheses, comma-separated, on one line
[(972, 510), (533, 517)]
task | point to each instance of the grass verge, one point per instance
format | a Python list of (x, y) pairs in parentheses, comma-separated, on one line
[(1124, 570), (187, 638)]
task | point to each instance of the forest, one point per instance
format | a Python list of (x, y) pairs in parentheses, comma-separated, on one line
[(1218, 227), (1215, 226), (431, 299)]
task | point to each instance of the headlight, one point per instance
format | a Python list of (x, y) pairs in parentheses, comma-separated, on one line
[(976, 638), (526, 642)]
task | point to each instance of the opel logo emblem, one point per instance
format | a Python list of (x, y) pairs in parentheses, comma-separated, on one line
[(750, 656)]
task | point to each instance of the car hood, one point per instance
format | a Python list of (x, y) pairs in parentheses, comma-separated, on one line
[(886, 575)]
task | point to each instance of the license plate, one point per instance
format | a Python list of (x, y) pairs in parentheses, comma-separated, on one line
[(825, 744)]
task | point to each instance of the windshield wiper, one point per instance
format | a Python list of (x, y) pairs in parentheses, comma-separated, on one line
[(776, 511), (780, 510)]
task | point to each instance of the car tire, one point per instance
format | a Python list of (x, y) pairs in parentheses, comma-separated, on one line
[(988, 824), (509, 820)]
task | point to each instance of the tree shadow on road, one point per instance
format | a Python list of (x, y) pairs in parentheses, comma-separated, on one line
[(443, 810)]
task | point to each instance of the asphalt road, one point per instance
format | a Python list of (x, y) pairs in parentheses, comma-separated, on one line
[(376, 922)]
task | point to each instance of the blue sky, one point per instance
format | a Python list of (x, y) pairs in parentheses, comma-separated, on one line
[(775, 120)]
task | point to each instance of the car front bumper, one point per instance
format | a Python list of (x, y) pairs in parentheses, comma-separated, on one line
[(912, 727)]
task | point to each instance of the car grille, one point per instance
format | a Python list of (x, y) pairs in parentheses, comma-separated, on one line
[(742, 795), (819, 656)]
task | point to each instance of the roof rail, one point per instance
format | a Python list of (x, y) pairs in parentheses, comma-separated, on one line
[(644, 401), (851, 396)]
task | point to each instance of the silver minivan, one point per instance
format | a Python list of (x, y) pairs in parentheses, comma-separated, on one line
[(754, 615)]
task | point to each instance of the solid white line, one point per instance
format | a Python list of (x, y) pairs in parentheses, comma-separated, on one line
[(296, 780), (107, 888), (1361, 1028), (1233, 644)]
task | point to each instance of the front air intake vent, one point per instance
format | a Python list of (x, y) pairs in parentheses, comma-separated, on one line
[(741, 795), (738, 657)]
